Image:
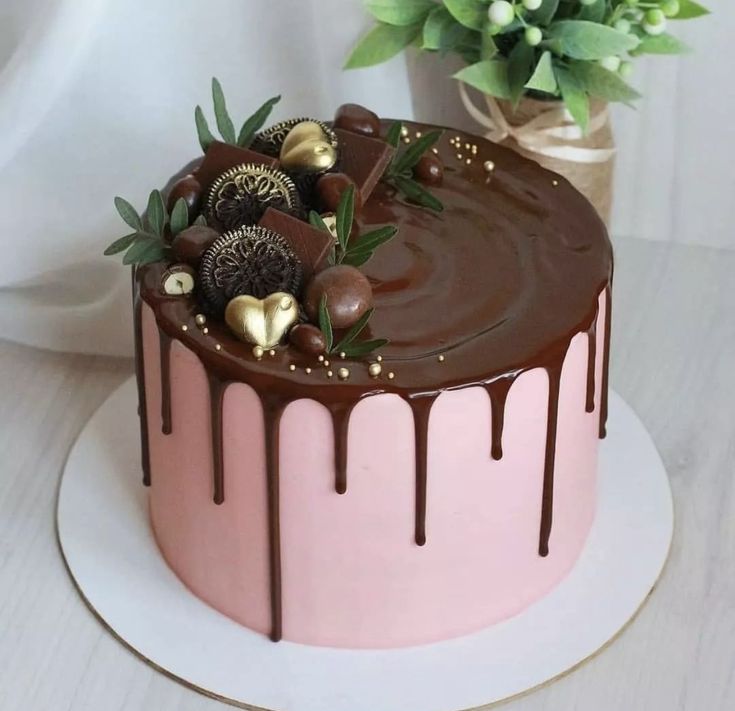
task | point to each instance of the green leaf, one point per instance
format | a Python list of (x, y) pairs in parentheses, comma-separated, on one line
[(411, 156), (381, 43), (393, 136), (594, 12), (128, 213), (520, 66), (545, 14), (156, 212), (489, 76), (488, 48), (574, 97), (543, 78), (120, 245), (201, 220), (315, 220), (144, 250), (602, 83), (688, 10), (206, 139), (370, 241), (325, 323), (355, 331), (400, 12), (470, 13), (179, 217), (580, 39), (414, 192), (255, 122), (224, 122), (355, 350), (345, 215), (661, 44), (436, 26)]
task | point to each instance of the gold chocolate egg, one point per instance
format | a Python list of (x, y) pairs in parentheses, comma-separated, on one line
[(262, 322), (307, 149)]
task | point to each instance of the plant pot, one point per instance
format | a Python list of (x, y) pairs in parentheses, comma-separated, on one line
[(544, 132)]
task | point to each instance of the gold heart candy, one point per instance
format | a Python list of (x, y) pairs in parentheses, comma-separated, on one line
[(307, 149), (262, 322)]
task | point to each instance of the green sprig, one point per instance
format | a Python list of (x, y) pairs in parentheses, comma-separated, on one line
[(224, 122), (348, 343)]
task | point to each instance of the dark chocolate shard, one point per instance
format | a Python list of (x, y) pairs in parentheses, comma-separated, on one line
[(220, 157), (364, 159), (310, 244)]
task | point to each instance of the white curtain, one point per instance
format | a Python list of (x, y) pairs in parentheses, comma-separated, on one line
[(97, 98)]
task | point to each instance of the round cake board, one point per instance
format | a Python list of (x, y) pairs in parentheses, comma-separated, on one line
[(106, 539)]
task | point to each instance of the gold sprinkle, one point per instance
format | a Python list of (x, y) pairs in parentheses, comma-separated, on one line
[(391, 375), (307, 370), (326, 363), (555, 183), (467, 146), (343, 373), (474, 150), (342, 355), (404, 131), (406, 139), (460, 156), (292, 367), (321, 358), (458, 139), (184, 328), (468, 161), (375, 369), (440, 358), (205, 330), (217, 347), (379, 359), (329, 373), (418, 134), (200, 320), (258, 352), (435, 151), (271, 352), (489, 166)]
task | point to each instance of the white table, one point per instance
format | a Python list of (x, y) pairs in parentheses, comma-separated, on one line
[(673, 360)]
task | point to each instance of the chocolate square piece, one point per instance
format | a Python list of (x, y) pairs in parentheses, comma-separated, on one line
[(222, 156), (363, 159), (310, 244)]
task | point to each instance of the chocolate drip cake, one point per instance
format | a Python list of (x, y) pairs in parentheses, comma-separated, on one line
[(372, 371)]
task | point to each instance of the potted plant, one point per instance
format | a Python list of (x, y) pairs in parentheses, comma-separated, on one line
[(546, 69)]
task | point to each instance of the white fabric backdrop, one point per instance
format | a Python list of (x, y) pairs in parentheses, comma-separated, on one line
[(97, 98)]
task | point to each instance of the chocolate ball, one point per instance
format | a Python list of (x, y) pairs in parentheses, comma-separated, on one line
[(307, 338), (190, 244), (429, 170), (349, 295), (188, 188), (329, 189), (357, 119)]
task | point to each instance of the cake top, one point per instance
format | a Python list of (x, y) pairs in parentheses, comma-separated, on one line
[(368, 256)]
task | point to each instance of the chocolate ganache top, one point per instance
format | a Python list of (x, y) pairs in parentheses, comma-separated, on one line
[(497, 283)]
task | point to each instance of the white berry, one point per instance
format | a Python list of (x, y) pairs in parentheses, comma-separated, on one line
[(501, 13), (612, 63), (533, 36), (532, 4)]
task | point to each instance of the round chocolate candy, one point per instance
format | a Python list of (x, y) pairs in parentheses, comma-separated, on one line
[(329, 189), (178, 280), (307, 338), (429, 170), (190, 244), (357, 119), (188, 188), (349, 295)]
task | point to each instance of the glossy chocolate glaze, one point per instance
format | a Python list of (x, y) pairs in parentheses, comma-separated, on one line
[(499, 283)]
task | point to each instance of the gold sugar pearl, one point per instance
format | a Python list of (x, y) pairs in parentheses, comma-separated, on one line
[(375, 369), (441, 358), (489, 166), (320, 358), (292, 367), (391, 375), (326, 364), (468, 161), (271, 352), (200, 320), (418, 134), (307, 370), (217, 347), (460, 156), (184, 328), (342, 355), (404, 131), (329, 373), (435, 151), (474, 150), (343, 373), (406, 139), (205, 330), (467, 146), (555, 183), (379, 358), (458, 139), (258, 352)]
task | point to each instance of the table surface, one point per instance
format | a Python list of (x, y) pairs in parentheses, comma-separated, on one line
[(673, 357)]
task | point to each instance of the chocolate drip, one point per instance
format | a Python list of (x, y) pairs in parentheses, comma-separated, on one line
[(217, 390), (341, 421), (497, 391), (145, 459), (273, 407), (553, 370), (164, 342), (606, 360), (589, 405), (421, 408)]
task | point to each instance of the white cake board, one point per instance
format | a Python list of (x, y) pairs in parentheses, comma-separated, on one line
[(106, 539)]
